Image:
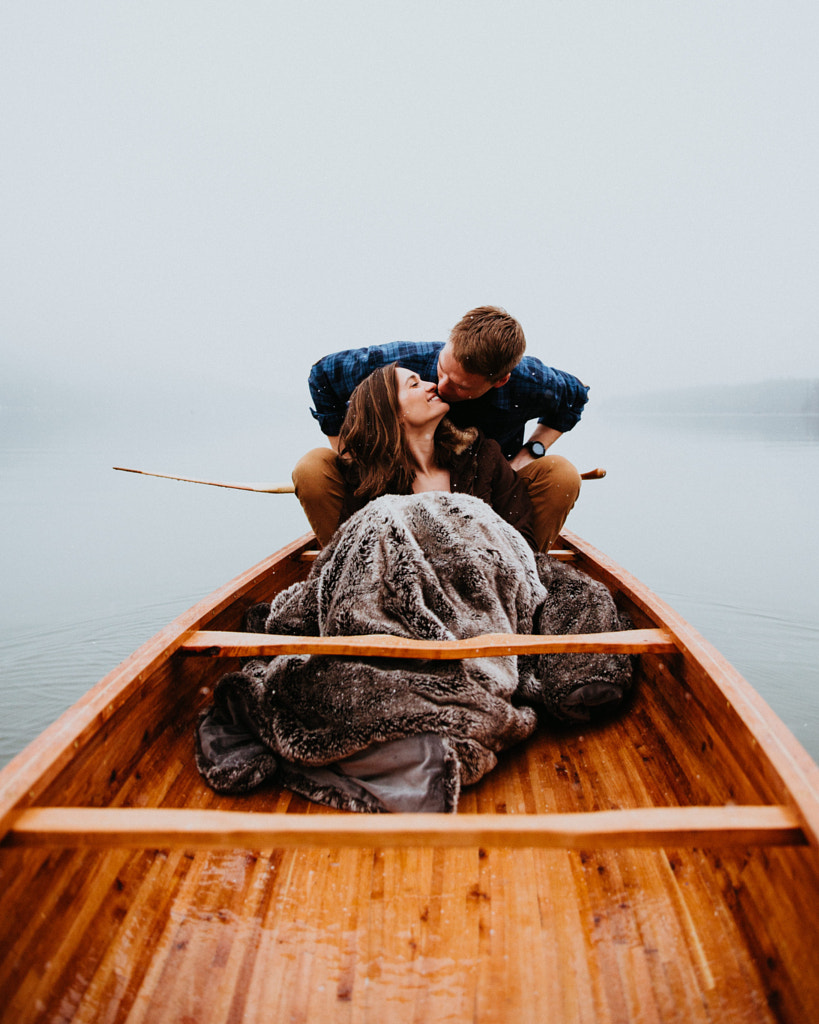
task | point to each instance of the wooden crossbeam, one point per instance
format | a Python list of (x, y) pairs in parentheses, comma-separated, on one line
[(187, 829), (490, 645), (562, 554)]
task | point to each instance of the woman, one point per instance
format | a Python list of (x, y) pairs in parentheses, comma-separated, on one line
[(392, 735), (396, 439)]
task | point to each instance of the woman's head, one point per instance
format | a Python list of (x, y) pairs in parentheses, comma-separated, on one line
[(421, 406), (385, 410)]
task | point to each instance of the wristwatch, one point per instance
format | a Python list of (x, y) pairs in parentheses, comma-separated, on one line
[(535, 449)]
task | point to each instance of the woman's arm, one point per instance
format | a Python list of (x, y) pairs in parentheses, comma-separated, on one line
[(499, 485)]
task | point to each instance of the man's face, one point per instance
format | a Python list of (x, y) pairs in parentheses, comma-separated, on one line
[(455, 384)]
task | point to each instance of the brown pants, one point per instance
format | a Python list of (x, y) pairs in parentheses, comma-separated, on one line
[(553, 484)]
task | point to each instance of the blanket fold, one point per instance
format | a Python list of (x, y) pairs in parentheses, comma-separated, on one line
[(399, 734)]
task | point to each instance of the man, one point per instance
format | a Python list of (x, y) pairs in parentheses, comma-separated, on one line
[(489, 383)]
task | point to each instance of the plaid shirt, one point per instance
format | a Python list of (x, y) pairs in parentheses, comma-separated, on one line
[(533, 391)]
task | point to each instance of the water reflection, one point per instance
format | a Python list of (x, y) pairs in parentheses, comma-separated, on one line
[(772, 429), (716, 514)]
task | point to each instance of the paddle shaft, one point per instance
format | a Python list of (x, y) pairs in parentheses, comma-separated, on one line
[(262, 488), (592, 474)]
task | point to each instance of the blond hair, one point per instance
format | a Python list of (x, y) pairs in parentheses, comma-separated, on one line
[(488, 341)]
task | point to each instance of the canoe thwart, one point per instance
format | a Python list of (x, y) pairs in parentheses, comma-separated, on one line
[(490, 645), (768, 825)]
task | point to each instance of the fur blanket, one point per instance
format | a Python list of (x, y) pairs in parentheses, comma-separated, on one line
[(399, 734)]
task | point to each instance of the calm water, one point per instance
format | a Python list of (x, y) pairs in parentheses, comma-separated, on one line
[(715, 514)]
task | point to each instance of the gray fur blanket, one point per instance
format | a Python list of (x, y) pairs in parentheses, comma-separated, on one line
[(399, 734)]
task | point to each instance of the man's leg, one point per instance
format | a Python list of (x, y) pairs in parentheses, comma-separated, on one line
[(553, 485), (320, 489)]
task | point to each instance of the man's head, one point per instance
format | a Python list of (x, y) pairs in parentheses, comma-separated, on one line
[(483, 348)]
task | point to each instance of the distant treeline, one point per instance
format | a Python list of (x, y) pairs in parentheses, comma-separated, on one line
[(773, 397)]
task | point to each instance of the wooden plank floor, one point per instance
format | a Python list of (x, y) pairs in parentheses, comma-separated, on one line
[(379, 935), (419, 934)]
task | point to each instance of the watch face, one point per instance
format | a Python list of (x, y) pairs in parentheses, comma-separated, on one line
[(537, 449)]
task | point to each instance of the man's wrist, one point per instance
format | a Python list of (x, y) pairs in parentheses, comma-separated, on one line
[(536, 449), (523, 458)]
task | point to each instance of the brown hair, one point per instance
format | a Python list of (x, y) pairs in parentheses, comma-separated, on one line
[(372, 442), (488, 341)]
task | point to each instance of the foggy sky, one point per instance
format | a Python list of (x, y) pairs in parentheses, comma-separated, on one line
[(230, 190)]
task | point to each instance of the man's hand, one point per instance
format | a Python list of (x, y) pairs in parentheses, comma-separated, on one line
[(547, 437)]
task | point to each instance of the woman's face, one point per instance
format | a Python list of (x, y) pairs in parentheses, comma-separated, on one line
[(418, 399)]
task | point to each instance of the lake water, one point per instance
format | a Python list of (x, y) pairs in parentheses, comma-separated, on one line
[(716, 514)]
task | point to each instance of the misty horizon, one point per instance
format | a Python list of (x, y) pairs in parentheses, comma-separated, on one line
[(226, 196)]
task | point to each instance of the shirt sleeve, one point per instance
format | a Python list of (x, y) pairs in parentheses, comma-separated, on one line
[(332, 381), (563, 397)]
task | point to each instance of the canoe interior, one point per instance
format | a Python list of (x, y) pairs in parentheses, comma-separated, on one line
[(414, 934)]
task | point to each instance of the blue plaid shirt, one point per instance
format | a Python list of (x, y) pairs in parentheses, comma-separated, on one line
[(534, 391)]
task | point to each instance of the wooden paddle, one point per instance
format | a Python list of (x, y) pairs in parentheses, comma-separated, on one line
[(263, 488), (592, 474)]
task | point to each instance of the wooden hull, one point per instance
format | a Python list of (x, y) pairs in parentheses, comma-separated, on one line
[(640, 917)]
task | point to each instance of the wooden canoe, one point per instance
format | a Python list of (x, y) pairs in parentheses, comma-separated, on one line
[(663, 866)]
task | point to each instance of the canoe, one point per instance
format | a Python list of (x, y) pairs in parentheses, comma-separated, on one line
[(660, 866)]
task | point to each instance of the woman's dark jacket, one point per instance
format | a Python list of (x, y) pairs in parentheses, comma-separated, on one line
[(480, 469)]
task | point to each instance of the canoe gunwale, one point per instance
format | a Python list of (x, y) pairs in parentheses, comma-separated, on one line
[(796, 773), (30, 772)]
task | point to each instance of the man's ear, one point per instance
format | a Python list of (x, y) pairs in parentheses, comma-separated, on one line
[(502, 381)]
